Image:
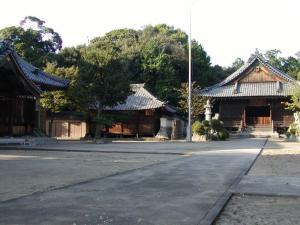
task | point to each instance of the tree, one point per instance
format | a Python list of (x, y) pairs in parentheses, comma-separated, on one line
[(102, 82), (272, 56), (198, 102), (33, 40), (57, 101), (238, 63), (289, 65), (295, 100)]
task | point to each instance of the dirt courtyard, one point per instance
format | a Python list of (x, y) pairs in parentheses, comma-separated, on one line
[(279, 158)]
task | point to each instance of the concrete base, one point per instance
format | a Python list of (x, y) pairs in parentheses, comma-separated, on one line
[(269, 185), (31, 141)]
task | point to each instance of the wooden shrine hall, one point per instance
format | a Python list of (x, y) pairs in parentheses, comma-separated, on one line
[(254, 96), (20, 87)]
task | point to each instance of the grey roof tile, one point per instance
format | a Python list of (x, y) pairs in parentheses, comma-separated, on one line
[(31, 72), (38, 76), (140, 99), (250, 90), (4, 49)]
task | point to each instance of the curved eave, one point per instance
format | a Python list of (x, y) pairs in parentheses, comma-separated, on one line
[(39, 77), (35, 89)]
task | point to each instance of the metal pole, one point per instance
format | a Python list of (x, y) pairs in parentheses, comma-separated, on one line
[(189, 130)]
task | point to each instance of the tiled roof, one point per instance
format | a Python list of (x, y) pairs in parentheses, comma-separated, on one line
[(226, 88), (251, 61), (250, 90), (4, 49), (141, 99), (38, 76), (31, 72)]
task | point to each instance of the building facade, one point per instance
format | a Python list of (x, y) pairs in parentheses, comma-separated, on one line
[(253, 96), (145, 115), (20, 87)]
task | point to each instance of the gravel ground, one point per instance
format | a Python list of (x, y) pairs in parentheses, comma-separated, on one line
[(279, 158), (23, 173), (260, 210)]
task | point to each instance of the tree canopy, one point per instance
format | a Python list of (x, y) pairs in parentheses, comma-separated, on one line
[(33, 40)]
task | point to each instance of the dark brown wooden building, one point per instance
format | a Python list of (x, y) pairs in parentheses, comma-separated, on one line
[(143, 114), (20, 87), (253, 96)]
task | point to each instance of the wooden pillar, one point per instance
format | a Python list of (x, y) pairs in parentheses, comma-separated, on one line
[(122, 129), (11, 117), (37, 123), (137, 124)]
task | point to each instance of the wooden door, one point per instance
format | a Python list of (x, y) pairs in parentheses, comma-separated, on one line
[(75, 129), (61, 129)]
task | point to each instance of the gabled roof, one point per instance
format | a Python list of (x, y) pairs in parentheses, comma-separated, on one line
[(32, 73), (227, 87), (141, 99)]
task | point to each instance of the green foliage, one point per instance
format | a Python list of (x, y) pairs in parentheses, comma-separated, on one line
[(216, 125), (213, 130), (289, 65), (198, 128), (238, 63), (33, 40), (69, 102), (294, 129), (198, 102), (54, 101), (294, 104), (223, 134)]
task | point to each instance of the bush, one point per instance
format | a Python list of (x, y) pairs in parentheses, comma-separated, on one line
[(216, 125), (287, 134), (198, 128), (223, 134), (293, 129), (205, 127)]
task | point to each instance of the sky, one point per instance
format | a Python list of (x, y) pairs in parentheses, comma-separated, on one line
[(227, 29)]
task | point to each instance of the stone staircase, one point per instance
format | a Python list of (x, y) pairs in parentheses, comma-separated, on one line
[(262, 131)]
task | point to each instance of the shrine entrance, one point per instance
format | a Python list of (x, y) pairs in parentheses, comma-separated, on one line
[(258, 115)]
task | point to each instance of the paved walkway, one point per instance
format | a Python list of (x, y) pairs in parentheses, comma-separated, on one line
[(269, 185), (168, 147), (179, 192)]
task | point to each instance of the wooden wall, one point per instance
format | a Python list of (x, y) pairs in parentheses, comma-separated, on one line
[(142, 123), (67, 129), (259, 74), (17, 116), (233, 112)]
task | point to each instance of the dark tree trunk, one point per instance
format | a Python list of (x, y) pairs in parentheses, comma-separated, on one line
[(98, 126), (50, 124)]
